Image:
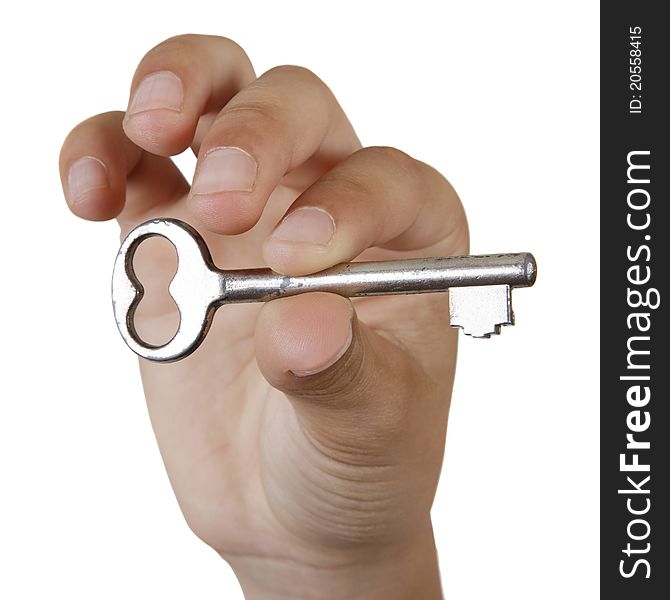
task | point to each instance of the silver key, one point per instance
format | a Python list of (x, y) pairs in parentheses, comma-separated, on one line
[(480, 287)]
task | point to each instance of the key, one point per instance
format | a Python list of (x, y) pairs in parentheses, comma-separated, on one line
[(479, 287)]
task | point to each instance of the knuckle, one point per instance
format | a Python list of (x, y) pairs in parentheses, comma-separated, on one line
[(355, 186), (294, 72), (174, 45), (182, 39), (391, 156), (185, 45), (387, 160), (101, 124), (261, 111), (367, 171), (306, 80)]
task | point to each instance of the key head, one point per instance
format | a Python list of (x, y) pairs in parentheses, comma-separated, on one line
[(195, 289)]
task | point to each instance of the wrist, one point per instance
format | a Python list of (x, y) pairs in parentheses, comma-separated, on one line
[(406, 569)]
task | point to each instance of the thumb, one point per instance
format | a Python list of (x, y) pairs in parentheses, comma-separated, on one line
[(345, 381)]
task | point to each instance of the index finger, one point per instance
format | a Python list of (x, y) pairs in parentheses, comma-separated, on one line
[(286, 122)]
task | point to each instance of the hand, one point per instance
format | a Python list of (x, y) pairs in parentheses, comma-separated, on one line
[(304, 438)]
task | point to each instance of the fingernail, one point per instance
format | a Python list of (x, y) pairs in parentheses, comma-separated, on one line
[(309, 224), (225, 169), (158, 90), (86, 174), (332, 360)]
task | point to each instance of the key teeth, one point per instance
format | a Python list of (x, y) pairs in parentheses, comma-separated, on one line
[(481, 311), (495, 330)]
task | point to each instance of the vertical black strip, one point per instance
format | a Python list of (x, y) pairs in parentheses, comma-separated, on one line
[(635, 340)]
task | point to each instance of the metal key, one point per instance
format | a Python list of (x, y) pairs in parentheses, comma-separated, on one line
[(480, 287)]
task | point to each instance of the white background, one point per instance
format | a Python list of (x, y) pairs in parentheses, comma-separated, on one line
[(502, 97)]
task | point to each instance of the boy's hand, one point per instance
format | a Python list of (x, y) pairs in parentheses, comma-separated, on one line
[(303, 439)]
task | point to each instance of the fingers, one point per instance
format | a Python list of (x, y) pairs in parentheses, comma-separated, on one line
[(377, 197), (341, 376), (287, 118), (102, 172), (249, 134), (179, 86)]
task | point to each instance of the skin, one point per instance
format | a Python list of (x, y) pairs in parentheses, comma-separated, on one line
[(304, 439)]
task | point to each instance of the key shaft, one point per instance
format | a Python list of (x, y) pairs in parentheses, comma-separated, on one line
[(409, 276)]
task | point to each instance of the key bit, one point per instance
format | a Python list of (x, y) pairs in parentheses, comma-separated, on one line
[(480, 311), (479, 287)]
